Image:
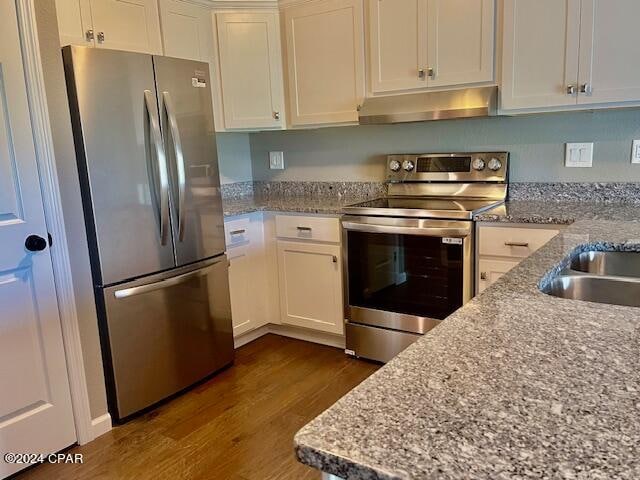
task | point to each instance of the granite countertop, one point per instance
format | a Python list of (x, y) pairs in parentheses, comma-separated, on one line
[(559, 212), (328, 205), (515, 384)]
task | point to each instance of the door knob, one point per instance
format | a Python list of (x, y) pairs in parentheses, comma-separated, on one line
[(35, 243)]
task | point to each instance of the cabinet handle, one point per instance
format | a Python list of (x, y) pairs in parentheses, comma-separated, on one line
[(334, 259), (421, 74), (483, 275), (304, 229), (100, 37), (586, 88), (571, 89), (516, 244), (237, 232), (89, 35), (431, 73), (276, 115)]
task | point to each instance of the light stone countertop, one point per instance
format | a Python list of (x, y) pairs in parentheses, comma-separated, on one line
[(515, 384), (329, 205)]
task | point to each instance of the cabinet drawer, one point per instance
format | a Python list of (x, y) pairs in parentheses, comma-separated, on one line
[(323, 229), (236, 232), (513, 242)]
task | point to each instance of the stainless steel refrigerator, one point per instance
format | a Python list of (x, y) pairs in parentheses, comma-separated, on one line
[(147, 160)]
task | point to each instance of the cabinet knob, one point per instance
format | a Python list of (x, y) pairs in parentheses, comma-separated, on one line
[(334, 259), (421, 74), (89, 35), (571, 89), (586, 88), (483, 275), (100, 37), (276, 115), (431, 73)]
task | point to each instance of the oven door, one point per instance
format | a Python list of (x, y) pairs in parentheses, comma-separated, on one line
[(406, 274)]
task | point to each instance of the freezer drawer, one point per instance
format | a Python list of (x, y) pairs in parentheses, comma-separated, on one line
[(164, 333)]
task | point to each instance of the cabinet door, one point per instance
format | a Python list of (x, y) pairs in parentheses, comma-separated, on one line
[(461, 41), (325, 61), (186, 30), (74, 22), (251, 69), (491, 270), (540, 53), (131, 25), (240, 290), (609, 67), (311, 286), (397, 44)]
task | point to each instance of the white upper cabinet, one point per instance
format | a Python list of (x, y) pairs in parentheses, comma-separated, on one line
[(460, 42), (131, 25), (567, 53), (540, 53), (325, 61), (397, 44), (609, 66), (250, 61), (74, 22), (186, 30), (415, 44)]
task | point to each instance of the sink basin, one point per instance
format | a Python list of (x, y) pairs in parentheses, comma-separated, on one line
[(591, 288), (618, 264)]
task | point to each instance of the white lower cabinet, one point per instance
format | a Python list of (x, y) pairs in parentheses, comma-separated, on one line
[(310, 278), (501, 247)]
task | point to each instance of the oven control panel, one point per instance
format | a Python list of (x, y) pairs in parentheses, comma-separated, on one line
[(451, 167)]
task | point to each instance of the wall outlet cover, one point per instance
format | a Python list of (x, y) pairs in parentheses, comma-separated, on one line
[(579, 155), (635, 152), (276, 160)]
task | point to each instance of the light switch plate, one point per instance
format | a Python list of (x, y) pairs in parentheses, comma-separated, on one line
[(579, 155), (276, 160), (635, 152)]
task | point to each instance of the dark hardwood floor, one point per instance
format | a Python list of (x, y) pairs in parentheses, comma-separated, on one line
[(237, 426)]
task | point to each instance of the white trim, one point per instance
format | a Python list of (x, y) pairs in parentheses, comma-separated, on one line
[(101, 425), (322, 338), (54, 218)]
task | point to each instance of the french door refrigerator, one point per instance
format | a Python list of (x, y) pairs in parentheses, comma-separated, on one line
[(147, 161)]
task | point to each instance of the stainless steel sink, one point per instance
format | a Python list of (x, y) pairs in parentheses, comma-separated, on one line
[(619, 264), (591, 288)]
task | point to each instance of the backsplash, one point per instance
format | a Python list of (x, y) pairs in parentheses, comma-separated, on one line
[(293, 189), (576, 192)]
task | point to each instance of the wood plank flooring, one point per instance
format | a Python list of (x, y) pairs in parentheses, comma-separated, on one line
[(237, 426)]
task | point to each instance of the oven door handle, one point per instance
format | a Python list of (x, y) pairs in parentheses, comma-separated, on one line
[(431, 231)]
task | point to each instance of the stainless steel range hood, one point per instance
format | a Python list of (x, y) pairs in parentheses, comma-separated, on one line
[(425, 106)]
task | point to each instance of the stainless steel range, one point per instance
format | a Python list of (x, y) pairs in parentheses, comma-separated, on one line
[(409, 257)]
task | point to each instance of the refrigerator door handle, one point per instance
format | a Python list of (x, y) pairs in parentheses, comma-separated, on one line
[(169, 282), (180, 167), (154, 128)]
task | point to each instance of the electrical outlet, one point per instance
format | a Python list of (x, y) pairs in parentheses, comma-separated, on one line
[(276, 160), (635, 152), (579, 155)]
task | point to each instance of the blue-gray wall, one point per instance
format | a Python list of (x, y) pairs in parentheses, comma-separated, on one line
[(536, 143)]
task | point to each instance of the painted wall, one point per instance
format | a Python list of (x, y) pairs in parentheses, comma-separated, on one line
[(234, 157), (536, 143)]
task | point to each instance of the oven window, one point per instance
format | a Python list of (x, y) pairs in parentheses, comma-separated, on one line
[(409, 274)]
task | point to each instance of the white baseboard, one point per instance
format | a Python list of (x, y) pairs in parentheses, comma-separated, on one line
[(101, 425), (322, 338)]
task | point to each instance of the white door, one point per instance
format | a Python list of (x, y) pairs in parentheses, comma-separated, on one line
[(131, 25), (397, 44), (74, 22), (609, 67), (251, 68), (35, 403), (325, 61), (186, 30), (311, 286), (540, 53), (461, 42)]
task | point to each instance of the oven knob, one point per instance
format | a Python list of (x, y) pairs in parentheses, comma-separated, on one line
[(495, 164), (408, 165), (478, 164), (394, 165)]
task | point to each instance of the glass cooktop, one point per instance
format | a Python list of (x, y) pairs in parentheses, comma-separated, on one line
[(425, 207)]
